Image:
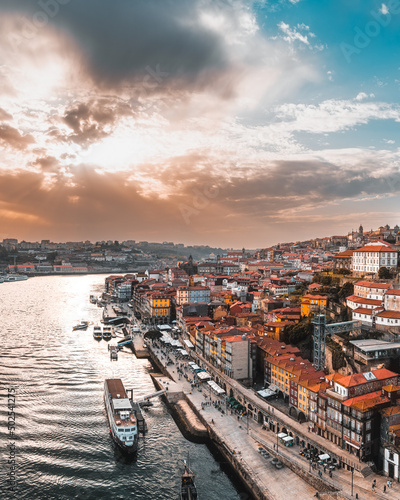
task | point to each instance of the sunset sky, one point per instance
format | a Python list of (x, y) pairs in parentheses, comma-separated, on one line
[(228, 123)]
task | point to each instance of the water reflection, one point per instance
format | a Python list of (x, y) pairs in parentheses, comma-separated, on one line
[(64, 449)]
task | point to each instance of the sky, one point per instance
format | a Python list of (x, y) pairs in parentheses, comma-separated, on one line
[(230, 123)]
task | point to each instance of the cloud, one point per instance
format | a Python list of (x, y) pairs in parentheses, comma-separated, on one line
[(4, 116), (47, 164), (95, 119), (334, 115), (384, 9), (10, 136), (300, 33), (124, 41), (361, 96)]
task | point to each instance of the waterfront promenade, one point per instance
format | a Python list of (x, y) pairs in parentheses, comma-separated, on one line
[(275, 484), (243, 437)]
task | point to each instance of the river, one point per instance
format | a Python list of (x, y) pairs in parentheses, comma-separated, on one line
[(63, 449)]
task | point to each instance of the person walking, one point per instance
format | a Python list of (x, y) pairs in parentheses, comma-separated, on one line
[(384, 489)]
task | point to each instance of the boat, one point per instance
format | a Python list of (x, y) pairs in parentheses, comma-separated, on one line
[(107, 332), (121, 416), (14, 277), (97, 332), (83, 325), (188, 488)]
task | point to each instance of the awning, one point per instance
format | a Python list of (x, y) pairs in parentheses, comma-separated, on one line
[(215, 387), (189, 344), (266, 393), (353, 445), (325, 456), (282, 435), (287, 439), (183, 352), (204, 376), (195, 367)]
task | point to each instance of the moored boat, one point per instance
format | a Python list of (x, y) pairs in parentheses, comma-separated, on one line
[(83, 325), (188, 488), (107, 332), (14, 277), (97, 332), (121, 416)]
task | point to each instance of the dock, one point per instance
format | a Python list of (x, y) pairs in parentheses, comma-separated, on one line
[(177, 401), (142, 426), (139, 348)]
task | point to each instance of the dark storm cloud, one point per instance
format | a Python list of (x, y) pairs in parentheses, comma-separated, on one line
[(159, 41), (10, 136)]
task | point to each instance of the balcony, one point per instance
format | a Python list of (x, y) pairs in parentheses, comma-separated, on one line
[(333, 394)]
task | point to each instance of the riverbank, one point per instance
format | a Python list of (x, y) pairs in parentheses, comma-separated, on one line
[(239, 449)]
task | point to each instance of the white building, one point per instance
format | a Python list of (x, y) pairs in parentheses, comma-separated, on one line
[(370, 258), (391, 462), (193, 295)]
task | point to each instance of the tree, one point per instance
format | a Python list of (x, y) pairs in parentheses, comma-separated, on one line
[(346, 290), (384, 273), (51, 257), (299, 332)]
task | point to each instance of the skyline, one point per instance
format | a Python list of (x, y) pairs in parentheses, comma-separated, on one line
[(224, 123)]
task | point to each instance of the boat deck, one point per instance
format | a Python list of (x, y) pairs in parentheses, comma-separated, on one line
[(125, 423), (116, 388)]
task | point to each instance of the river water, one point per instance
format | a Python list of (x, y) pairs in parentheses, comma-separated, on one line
[(63, 447)]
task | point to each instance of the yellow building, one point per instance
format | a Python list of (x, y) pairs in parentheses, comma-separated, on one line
[(313, 303), (160, 308)]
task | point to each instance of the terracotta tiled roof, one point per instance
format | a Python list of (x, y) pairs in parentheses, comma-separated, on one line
[(346, 253), (363, 300), (360, 378), (363, 310), (380, 246), (367, 401), (392, 410), (389, 314), (371, 284)]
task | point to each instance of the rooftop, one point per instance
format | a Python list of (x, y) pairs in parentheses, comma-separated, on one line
[(374, 345)]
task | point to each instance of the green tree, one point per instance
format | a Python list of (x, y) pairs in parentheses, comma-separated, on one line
[(384, 273), (299, 332), (346, 290)]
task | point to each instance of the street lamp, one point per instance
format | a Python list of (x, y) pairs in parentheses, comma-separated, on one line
[(352, 474), (277, 440)]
